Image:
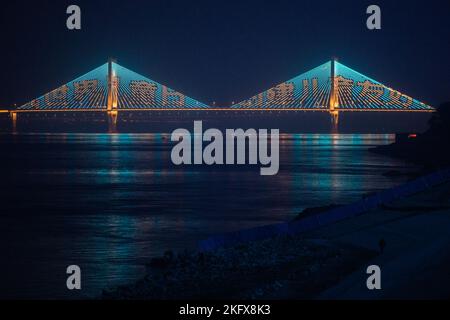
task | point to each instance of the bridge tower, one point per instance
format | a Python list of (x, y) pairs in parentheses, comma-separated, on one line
[(112, 109), (334, 98)]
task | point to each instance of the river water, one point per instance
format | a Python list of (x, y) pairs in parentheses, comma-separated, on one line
[(111, 202)]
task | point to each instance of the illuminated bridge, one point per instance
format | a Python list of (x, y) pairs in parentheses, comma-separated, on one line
[(331, 87)]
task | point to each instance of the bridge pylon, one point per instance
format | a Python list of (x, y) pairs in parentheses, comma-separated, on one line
[(334, 98), (112, 101), (113, 85)]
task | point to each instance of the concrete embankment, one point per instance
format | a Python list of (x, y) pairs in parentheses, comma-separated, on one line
[(416, 258), (331, 216)]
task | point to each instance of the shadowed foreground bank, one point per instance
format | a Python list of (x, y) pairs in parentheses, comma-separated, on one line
[(250, 271), (326, 263), (416, 258)]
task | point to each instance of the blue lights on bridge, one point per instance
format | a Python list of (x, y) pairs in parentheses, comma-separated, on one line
[(331, 86)]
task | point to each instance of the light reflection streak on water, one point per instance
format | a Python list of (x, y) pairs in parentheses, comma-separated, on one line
[(115, 201)]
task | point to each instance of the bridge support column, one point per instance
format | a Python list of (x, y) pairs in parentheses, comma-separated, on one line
[(334, 121), (13, 116), (112, 121)]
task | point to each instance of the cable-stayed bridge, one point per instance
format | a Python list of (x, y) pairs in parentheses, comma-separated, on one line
[(111, 87), (331, 87)]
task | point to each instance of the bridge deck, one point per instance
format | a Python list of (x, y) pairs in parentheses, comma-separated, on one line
[(214, 109)]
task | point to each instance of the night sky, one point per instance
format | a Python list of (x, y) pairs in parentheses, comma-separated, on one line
[(224, 51)]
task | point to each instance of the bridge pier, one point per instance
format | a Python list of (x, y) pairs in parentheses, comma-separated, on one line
[(13, 116), (334, 121), (112, 121)]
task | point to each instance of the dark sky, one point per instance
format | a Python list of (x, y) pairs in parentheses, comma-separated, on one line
[(224, 51)]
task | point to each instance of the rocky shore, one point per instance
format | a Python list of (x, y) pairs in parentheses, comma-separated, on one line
[(289, 266)]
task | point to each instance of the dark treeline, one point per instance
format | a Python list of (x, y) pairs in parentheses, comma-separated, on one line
[(430, 148)]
